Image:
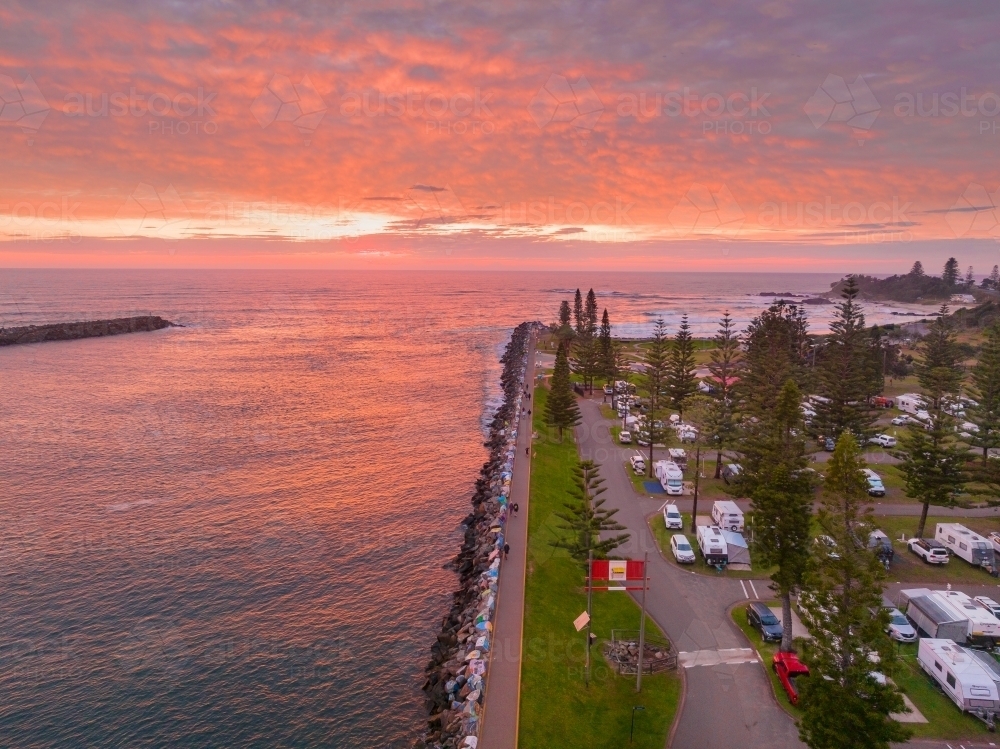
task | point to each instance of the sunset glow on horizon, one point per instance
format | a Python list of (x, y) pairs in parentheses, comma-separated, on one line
[(509, 137)]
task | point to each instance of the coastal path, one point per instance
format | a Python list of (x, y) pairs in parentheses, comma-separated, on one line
[(503, 681)]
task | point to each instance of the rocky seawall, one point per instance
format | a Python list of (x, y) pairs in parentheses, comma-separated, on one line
[(456, 675), (69, 331)]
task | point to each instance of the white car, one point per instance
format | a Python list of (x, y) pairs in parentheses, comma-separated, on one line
[(899, 628), (672, 518), (884, 440), (900, 421), (625, 438), (931, 551), (681, 549), (638, 463)]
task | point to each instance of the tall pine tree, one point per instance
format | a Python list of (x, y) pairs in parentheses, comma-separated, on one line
[(844, 705), (985, 391), (950, 272), (939, 370), (776, 346), (721, 419), (843, 371), (655, 380), (606, 350), (681, 383), (561, 410), (781, 494)]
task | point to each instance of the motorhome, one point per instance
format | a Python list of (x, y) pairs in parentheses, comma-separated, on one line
[(983, 625), (670, 475), (966, 544), (727, 514), (911, 403), (937, 618), (962, 676), (712, 544)]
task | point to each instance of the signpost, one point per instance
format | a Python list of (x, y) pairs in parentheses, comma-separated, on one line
[(618, 571)]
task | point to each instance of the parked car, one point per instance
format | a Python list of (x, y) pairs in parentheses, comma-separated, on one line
[(608, 390), (681, 549), (899, 628), (761, 618), (788, 667), (638, 463), (625, 438), (989, 604), (731, 472), (929, 550), (884, 440), (875, 486), (672, 518), (829, 445)]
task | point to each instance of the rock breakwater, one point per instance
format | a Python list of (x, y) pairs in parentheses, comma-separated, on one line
[(68, 331), (456, 674)]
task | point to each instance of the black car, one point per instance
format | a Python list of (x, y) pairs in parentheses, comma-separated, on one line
[(761, 618)]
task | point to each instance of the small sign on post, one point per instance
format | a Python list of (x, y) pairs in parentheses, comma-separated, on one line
[(581, 621)]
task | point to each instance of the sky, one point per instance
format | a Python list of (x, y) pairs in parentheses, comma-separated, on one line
[(805, 136)]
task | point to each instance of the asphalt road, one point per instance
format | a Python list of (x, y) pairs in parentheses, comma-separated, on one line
[(726, 704)]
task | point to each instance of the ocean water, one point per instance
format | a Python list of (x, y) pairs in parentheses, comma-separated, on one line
[(234, 532)]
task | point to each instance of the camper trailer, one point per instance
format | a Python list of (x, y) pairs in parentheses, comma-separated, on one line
[(712, 544), (911, 403), (678, 456), (962, 676), (933, 616), (966, 544), (727, 514), (670, 475), (983, 625)]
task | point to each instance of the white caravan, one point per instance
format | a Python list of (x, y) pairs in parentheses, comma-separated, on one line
[(934, 616), (712, 544), (965, 544), (727, 514), (963, 677), (911, 403), (670, 475), (982, 623)]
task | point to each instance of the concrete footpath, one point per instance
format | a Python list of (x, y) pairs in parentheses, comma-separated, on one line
[(503, 683)]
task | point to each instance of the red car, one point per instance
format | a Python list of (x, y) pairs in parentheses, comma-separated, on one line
[(788, 666)]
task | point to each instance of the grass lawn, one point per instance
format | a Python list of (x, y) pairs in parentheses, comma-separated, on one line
[(907, 567), (662, 536), (766, 651), (556, 708)]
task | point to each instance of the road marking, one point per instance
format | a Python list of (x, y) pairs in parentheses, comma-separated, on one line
[(753, 589), (730, 656), (744, 589)]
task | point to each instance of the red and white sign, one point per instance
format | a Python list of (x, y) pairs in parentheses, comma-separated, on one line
[(617, 570)]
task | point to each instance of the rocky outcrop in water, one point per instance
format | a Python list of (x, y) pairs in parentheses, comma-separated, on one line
[(68, 331), (454, 689)]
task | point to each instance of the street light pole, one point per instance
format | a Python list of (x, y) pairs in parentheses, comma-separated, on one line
[(590, 591), (642, 628)]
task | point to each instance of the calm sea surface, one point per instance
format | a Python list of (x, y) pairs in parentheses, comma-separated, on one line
[(232, 533)]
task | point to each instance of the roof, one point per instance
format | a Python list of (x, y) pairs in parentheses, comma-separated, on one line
[(938, 611), (735, 539)]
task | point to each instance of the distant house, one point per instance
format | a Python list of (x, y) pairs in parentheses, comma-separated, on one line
[(963, 298)]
